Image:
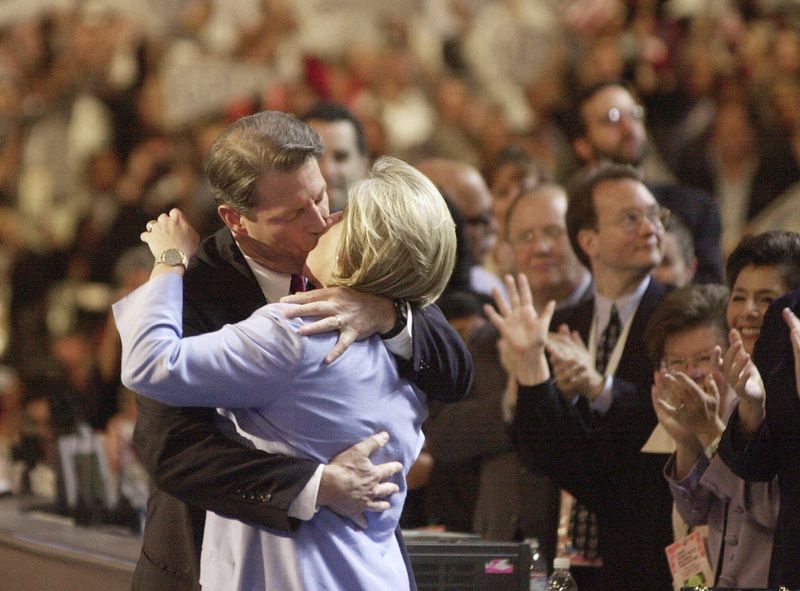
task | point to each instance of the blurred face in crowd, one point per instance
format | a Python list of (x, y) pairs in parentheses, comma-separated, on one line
[(465, 187), (674, 269), (537, 233), (342, 162), (510, 181), (285, 225), (613, 128), (754, 290), (629, 229)]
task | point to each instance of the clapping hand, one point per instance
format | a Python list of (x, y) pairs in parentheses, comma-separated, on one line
[(523, 330), (742, 375), (688, 407), (794, 335), (666, 406), (573, 366)]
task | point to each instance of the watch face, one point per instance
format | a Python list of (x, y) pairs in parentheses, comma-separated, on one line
[(172, 257)]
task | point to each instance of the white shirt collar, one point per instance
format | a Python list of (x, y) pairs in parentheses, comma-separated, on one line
[(626, 305), (273, 285)]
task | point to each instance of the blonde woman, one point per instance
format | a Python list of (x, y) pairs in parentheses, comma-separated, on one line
[(398, 241)]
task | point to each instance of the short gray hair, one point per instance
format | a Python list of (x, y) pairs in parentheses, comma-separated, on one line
[(399, 239), (253, 145)]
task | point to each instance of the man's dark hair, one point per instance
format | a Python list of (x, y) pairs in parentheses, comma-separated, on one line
[(684, 309), (779, 248), (332, 112), (252, 146), (581, 212)]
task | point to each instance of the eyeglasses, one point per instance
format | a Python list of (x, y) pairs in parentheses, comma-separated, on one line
[(615, 115), (703, 361), (550, 233), (631, 220)]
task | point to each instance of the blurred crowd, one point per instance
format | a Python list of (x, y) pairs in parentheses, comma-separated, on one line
[(107, 108)]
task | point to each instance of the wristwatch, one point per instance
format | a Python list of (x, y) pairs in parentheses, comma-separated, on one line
[(711, 450), (173, 257), (401, 319)]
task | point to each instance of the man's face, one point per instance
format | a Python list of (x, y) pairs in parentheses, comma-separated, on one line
[(629, 231), (538, 236), (342, 163), (614, 128), (474, 201), (285, 225), (674, 269)]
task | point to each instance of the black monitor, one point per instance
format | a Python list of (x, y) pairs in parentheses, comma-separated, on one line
[(450, 563)]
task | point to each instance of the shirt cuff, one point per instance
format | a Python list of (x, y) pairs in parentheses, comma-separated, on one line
[(401, 344), (603, 402), (304, 505)]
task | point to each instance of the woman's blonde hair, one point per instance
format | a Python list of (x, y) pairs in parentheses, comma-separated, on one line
[(399, 239)]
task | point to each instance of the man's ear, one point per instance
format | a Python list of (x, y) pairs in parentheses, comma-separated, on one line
[(583, 149), (587, 240), (232, 219)]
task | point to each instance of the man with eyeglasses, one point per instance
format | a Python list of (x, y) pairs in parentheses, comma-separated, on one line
[(536, 229), (512, 503), (608, 123), (464, 186), (586, 428)]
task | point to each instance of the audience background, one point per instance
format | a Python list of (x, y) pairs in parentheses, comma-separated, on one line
[(108, 106)]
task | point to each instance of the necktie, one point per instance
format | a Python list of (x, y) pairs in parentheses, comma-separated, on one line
[(298, 283), (583, 523), (608, 340)]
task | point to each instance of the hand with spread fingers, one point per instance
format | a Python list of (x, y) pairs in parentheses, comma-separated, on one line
[(352, 484), (523, 329), (573, 367), (354, 314), (743, 376)]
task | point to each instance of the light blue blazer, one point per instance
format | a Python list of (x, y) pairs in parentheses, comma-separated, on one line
[(282, 398)]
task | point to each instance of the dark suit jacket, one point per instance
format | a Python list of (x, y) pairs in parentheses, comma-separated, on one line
[(598, 459), (700, 213), (776, 449), (511, 502), (196, 468)]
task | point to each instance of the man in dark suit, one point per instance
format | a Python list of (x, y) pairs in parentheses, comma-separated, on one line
[(512, 502), (586, 428), (759, 444), (608, 124), (272, 198)]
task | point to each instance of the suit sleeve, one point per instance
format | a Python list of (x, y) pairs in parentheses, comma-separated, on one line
[(551, 437), (440, 364), (188, 457)]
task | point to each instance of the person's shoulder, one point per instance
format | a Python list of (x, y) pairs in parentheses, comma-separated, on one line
[(682, 197)]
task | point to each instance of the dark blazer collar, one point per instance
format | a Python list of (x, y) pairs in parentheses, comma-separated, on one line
[(230, 253)]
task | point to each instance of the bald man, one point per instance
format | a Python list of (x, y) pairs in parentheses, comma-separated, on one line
[(465, 188)]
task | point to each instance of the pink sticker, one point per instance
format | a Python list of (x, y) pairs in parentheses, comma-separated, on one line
[(499, 566)]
